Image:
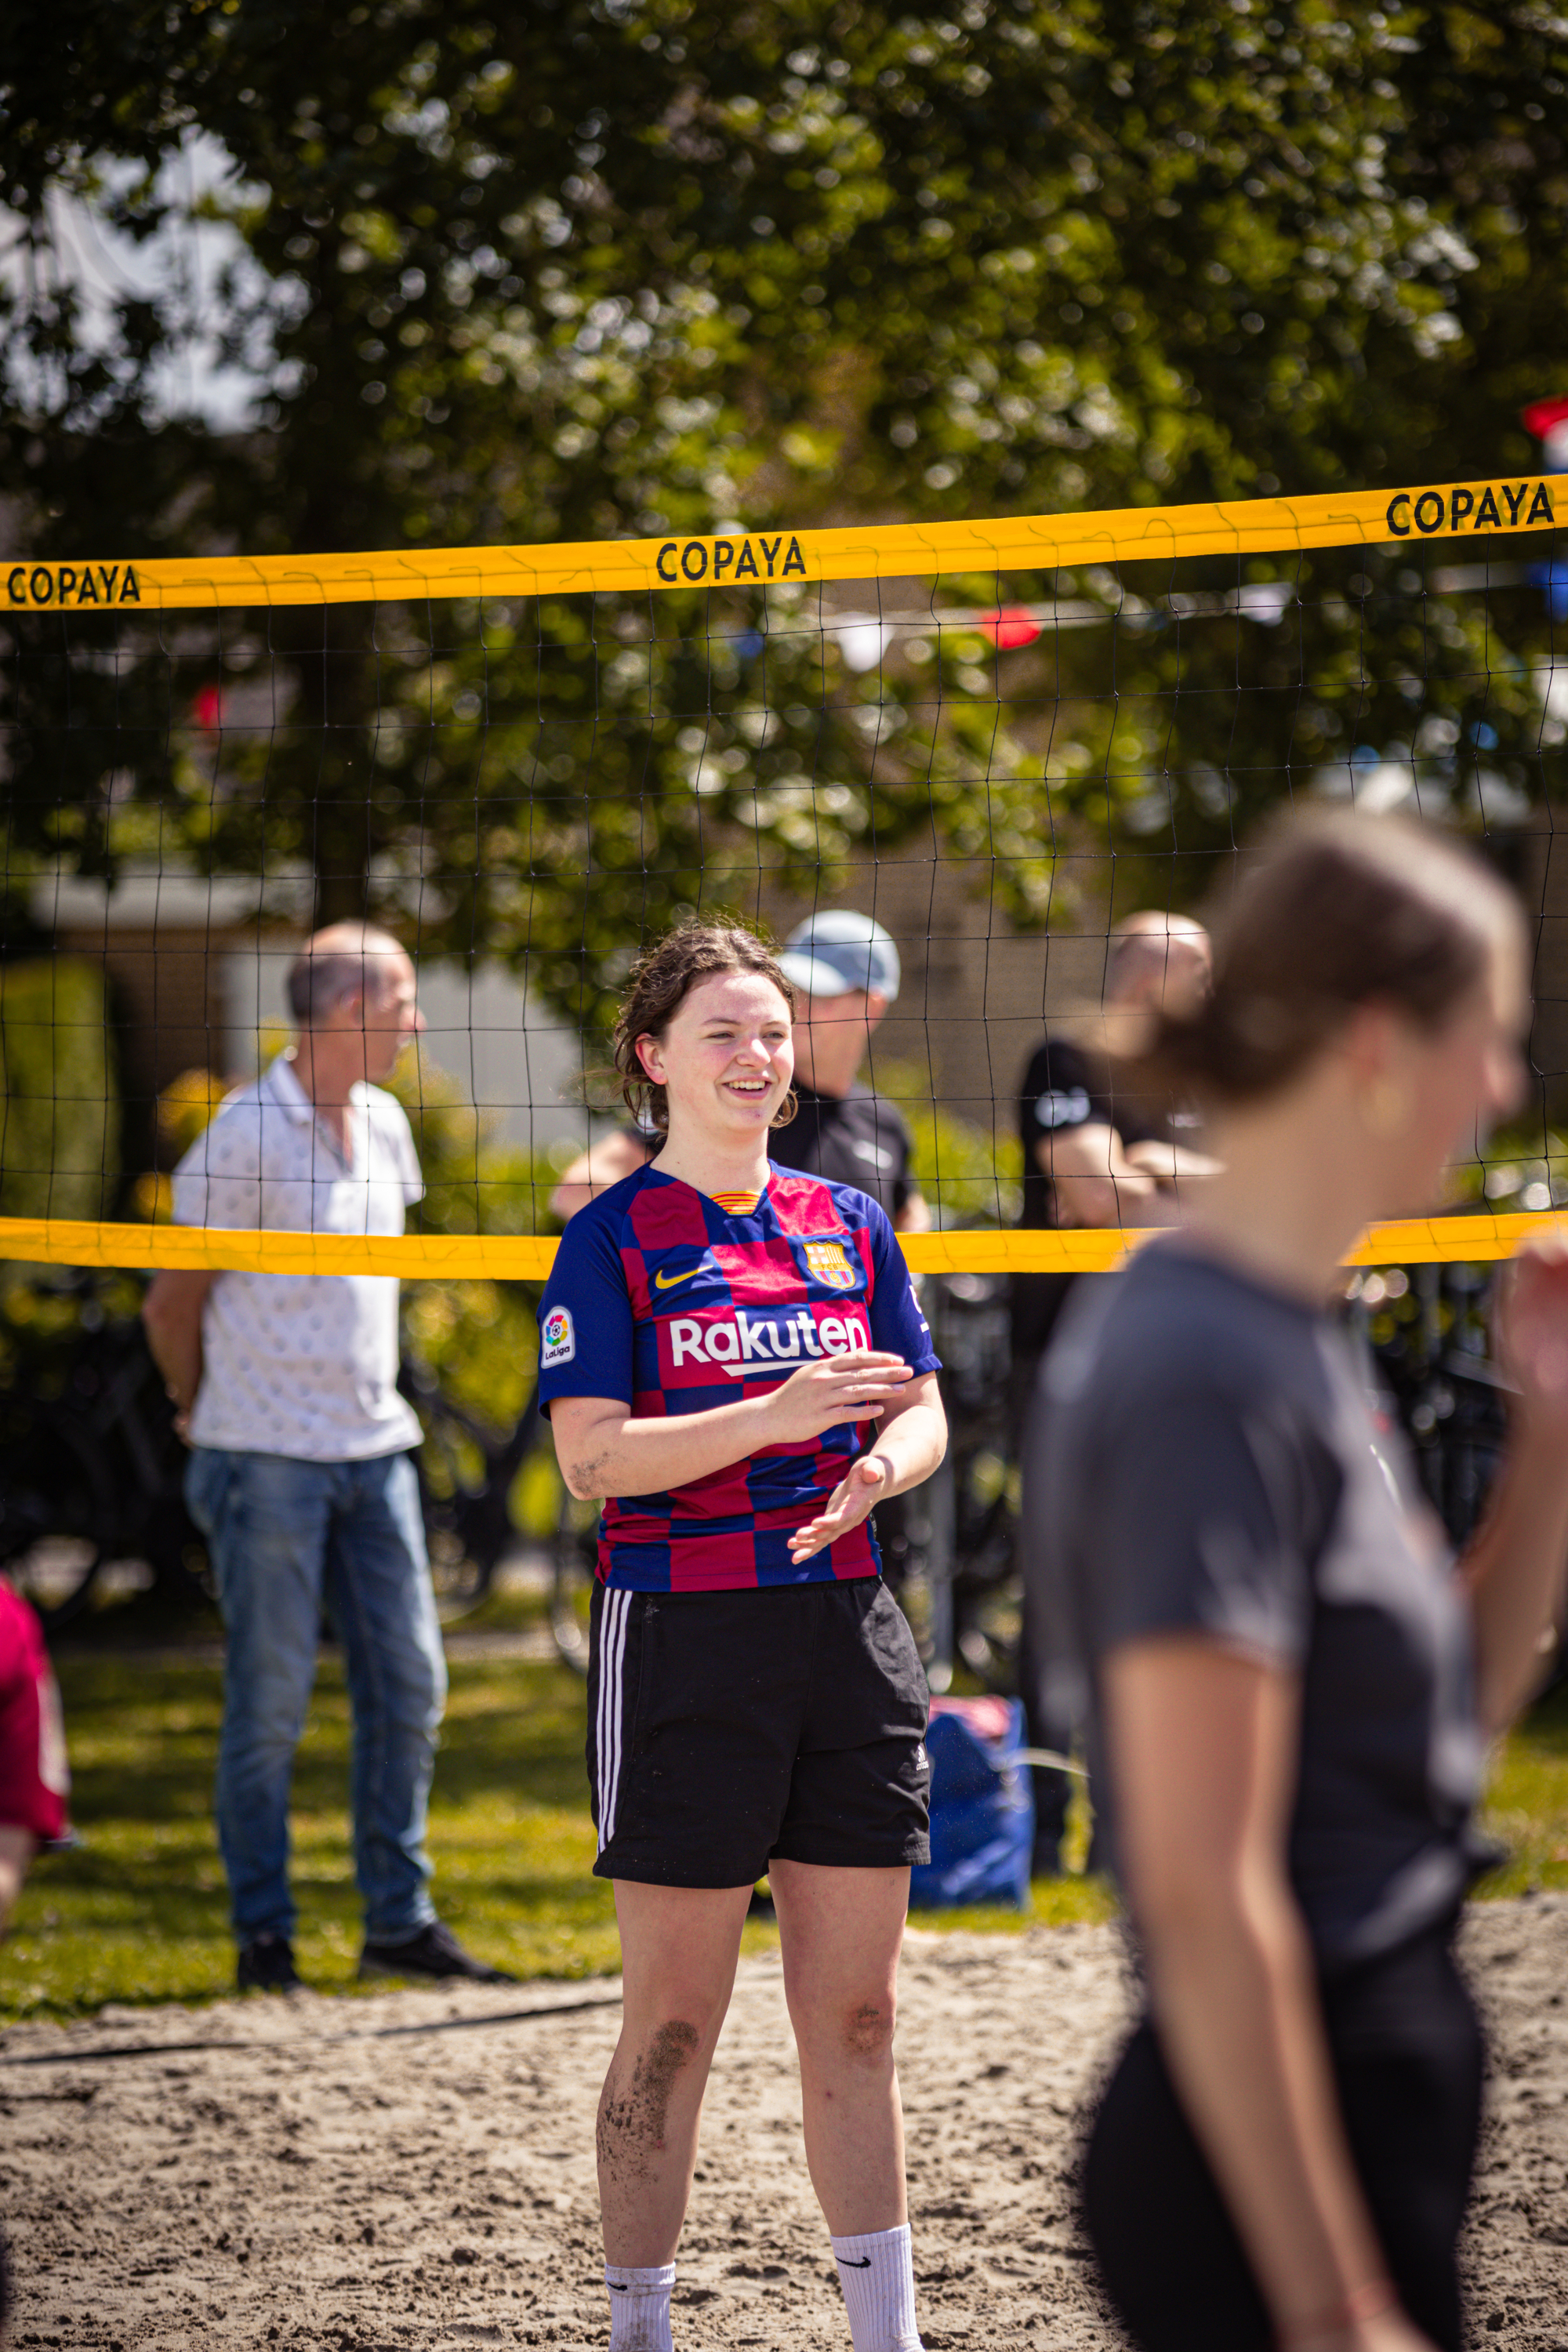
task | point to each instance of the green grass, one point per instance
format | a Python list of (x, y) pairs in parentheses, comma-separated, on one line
[(1528, 1808), (139, 1914)]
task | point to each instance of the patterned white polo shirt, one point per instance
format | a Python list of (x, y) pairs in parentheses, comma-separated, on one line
[(293, 1363)]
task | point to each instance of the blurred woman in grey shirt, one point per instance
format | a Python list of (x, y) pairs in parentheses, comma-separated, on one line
[(1290, 1683)]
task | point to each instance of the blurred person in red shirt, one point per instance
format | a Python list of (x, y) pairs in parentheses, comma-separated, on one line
[(35, 1780)]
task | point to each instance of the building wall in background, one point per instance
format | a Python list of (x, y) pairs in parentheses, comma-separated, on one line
[(510, 1056)]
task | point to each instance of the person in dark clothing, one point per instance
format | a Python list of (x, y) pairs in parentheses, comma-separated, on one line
[(1289, 1684), (846, 969), (1096, 1152)]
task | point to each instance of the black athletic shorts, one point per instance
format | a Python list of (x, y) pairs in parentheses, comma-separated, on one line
[(1407, 2058), (726, 1728)]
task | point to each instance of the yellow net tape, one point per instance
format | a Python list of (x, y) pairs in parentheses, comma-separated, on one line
[(432, 1258), (1470, 510), (1474, 511)]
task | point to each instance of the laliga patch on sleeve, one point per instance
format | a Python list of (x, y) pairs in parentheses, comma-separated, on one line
[(558, 1339)]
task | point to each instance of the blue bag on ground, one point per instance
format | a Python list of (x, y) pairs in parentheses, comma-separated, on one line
[(982, 1807)]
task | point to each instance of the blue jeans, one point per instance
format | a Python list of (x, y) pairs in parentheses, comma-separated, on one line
[(286, 1539)]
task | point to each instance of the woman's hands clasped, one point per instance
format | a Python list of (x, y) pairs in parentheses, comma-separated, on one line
[(856, 1387)]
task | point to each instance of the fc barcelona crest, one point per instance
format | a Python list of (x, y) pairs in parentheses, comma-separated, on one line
[(829, 1264)]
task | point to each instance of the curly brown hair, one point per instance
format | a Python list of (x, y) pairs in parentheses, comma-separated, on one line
[(658, 985)]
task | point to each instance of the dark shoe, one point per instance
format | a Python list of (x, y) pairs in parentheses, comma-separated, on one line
[(435, 1952), (267, 1966)]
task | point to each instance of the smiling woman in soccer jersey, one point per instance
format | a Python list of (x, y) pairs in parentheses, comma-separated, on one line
[(731, 1354)]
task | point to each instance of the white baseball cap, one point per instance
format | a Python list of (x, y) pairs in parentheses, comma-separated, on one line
[(831, 953)]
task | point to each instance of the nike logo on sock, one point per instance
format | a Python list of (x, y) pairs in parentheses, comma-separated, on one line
[(845, 2262), (616, 2288)]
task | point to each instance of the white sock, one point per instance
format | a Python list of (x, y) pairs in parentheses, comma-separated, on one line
[(878, 2275), (639, 2306)]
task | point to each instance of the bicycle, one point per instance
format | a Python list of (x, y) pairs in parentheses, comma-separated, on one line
[(1425, 1334), (91, 1469), (466, 1474), (469, 1477), (969, 1578), (1427, 1343)]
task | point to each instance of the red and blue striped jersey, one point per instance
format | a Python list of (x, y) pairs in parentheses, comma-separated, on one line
[(665, 1300)]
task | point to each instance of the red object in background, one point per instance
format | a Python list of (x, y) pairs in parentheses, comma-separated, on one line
[(987, 1717), (34, 1778), (1013, 626), (1540, 418), (207, 708)]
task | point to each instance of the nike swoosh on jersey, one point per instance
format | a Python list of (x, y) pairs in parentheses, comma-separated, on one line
[(660, 1283)]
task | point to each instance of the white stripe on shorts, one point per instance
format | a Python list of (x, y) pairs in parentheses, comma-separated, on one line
[(607, 1732)]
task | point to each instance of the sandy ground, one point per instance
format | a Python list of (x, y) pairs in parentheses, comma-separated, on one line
[(416, 2169)]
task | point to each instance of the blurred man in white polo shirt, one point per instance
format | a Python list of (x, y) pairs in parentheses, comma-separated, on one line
[(300, 1474)]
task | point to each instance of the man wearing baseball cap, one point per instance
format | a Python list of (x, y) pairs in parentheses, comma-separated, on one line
[(844, 970)]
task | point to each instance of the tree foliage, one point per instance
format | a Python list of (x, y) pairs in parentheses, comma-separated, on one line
[(581, 270)]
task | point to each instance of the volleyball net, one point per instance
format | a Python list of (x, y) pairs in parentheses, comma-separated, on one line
[(998, 737)]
